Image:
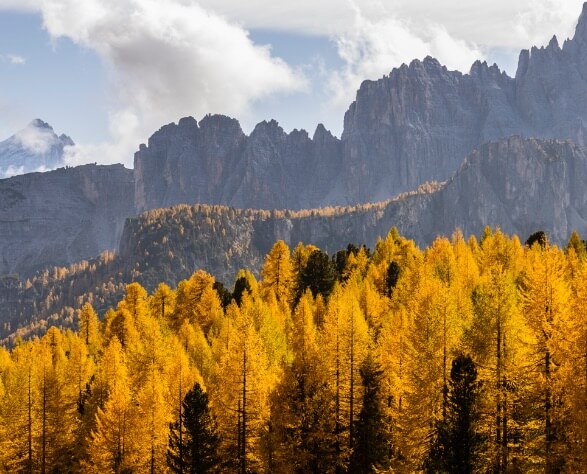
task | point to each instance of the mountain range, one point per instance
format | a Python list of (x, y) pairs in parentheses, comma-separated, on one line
[(424, 149), (415, 125)]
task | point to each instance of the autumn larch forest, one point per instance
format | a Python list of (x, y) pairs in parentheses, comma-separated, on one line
[(467, 356)]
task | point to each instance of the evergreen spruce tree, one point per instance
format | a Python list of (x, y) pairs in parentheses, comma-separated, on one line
[(240, 286), (392, 276), (371, 442), (193, 441), (456, 442), (319, 275)]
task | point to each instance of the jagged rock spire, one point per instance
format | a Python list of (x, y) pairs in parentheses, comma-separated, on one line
[(581, 29)]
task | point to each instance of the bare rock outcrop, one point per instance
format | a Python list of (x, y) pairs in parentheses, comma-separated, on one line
[(62, 216), (415, 125)]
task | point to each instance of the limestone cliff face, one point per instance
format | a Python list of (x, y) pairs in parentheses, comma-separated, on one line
[(187, 162), (521, 185), (418, 123), (415, 125), (214, 162), (551, 86), (62, 216)]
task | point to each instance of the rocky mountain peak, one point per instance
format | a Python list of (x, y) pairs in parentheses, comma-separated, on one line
[(38, 123), (581, 29), (187, 123), (217, 121), (321, 134), (34, 148), (523, 62), (66, 140), (268, 130), (300, 135), (429, 61), (553, 43), (268, 127), (482, 70)]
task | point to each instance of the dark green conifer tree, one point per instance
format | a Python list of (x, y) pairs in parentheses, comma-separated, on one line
[(539, 238), (319, 275), (240, 286), (392, 276), (371, 442), (193, 440), (456, 443)]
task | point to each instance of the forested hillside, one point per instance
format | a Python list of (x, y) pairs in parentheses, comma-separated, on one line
[(520, 185), (167, 246), (467, 356)]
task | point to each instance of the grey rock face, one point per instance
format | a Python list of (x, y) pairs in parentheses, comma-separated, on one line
[(35, 148), (187, 162), (413, 126), (214, 162), (62, 216), (551, 86), (418, 124), (518, 184)]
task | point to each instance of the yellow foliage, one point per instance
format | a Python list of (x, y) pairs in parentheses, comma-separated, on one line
[(283, 378)]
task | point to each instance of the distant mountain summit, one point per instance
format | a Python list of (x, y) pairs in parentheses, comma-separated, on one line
[(35, 148)]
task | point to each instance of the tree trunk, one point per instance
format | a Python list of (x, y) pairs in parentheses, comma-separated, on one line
[(30, 427), (44, 432), (244, 416), (498, 421)]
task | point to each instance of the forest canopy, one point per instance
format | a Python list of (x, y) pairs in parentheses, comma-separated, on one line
[(466, 356)]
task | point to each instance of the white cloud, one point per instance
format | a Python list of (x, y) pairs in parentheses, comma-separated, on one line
[(372, 47), (16, 59), (165, 61), (491, 23), (498, 23), (11, 171), (324, 17), (37, 140)]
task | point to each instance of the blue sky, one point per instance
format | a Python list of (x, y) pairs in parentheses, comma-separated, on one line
[(60, 82), (110, 72)]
